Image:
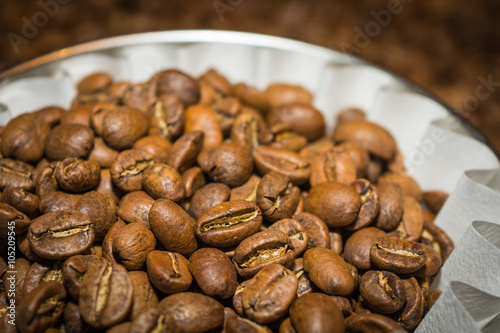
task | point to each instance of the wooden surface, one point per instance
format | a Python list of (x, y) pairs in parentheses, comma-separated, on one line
[(448, 47)]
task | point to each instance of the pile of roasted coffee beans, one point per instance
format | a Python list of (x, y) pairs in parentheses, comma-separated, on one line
[(197, 205)]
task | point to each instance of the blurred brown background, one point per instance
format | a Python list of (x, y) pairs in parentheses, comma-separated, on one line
[(451, 48)]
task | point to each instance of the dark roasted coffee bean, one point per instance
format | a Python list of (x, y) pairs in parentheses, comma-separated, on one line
[(228, 223), (106, 295), (135, 206), (73, 321), (296, 233), (59, 235), (42, 271), (175, 82), (329, 272), (12, 220), (26, 202), (358, 245), (128, 168), (69, 140), (169, 271), (41, 308), (214, 273), (173, 227), (283, 161), (74, 175), (46, 180), (262, 249), (316, 312), (269, 294), (73, 270), (398, 255), (413, 311), (192, 312), (237, 324), (163, 182), (229, 164), (123, 126), (383, 291), (316, 230), (16, 173), (277, 197), (132, 245), (335, 203)]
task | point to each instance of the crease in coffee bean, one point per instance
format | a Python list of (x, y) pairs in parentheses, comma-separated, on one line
[(137, 168), (102, 293), (263, 256), (401, 252), (385, 285), (53, 275), (229, 221), (160, 115), (63, 233), (16, 172), (175, 264), (253, 195), (50, 304)]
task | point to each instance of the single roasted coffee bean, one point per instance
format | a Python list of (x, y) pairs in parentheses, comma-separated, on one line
[(22, 200), (97, 113), (283, 161), (207, 197), (173, 227), (335, 203), (370, 204), (413, 311), (59, 201), (175, 82), (144, 295), (251, 96), (245, 131), (69, 140), (74, 175), (247, 191), (185, 150), (101, 209), (106, 295), (358, 154), (316, 312), (391, 205), (446, 244), (23, 138), (12, 220), (135, 206), (432, 298), (214, 273), (132, 245), (194, 180), (73, 270), (16, 173), (237, 302), (229, 164), (42, 271), (163, 182), (329, 271), (59, 235), (358, 245), (192, 312), (140, 96), (412, 222), (432, 264), (372, 322), (228, 223), (107, 242), (283, 94), (344, 305), (316, 230), (302, 119), (159, 147), (374, 138), (50, 114), (333, 165), (41, 308), (96, 82), (166, 117), (336, 243), (383, 291), (262, 249), (203, 118), (277, 197), (128, 168), (398, 255), (123, 126), (296, 233), (169, 271), (46, 181), (269, 294)]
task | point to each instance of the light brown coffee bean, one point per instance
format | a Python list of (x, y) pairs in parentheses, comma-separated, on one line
[(316, 312), (132, 245), (316, 230), (391, 205), (169, 271), (163, 182), (333, 165), (144, 295), (185, 150), (69, 140), (135, 206)]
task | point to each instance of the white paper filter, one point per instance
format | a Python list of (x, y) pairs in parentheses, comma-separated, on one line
[(438, 151)]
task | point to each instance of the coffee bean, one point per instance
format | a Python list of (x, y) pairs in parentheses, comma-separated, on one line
[(329, 271), (283, 94), (163, 182), (185, 150), (40, 272), (203, 118), (398, 255), (350, 114), (144, 295), (132, 245), (277, 197), (391, 205), (16, 173), (228, 223), (370, 204), (413, 310), (59, 201), (229, 164), (316, 230), (226, 110), (157, 146), (175, 82), (166, 117), (214, 273), (408, 184), (26, 202), (101, 209), (41, 308), (194, 180), (296, 233), (245, 131), (69, 140), (262, 249), (94, 83), (107, 242), (140, 96), (102, 154), (105, 295), (283, 161), (169, 271), (135, 206), (383, 291), (59, 235), (74, 175), (269, 294), (371, 322), (316, 313), (123, 126), (12, 220), (237, 324), (128, 168), (247, 191), (73, 270), (333, 165)]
